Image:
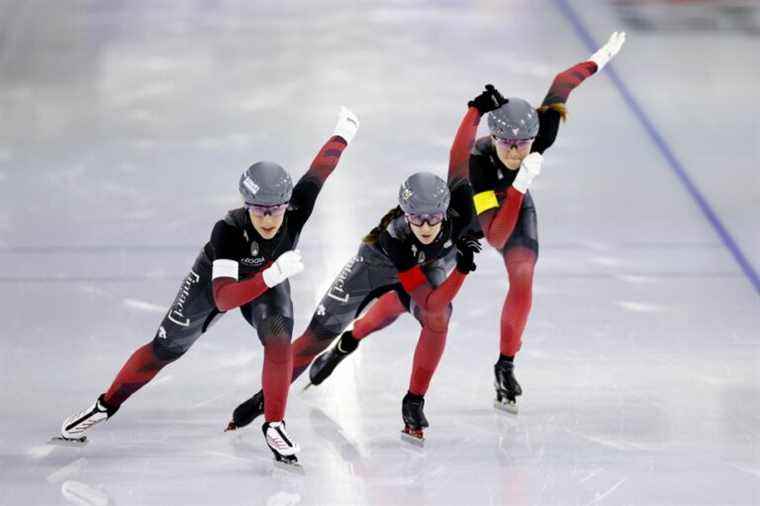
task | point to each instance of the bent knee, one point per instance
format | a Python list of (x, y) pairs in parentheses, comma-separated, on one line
[(437, 321)]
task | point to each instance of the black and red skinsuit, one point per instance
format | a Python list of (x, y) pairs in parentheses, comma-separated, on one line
[(507, 217), (228, 274), (404, 275)]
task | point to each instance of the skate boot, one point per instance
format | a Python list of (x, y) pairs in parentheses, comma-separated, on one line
[(507, 387), (247, 412), (414, 418), (74, 427), (326, 363), (283, 448)]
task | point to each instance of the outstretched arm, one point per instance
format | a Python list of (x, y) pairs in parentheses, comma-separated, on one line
[(553, 109), (568, 80), (329, 156), (307, 189)]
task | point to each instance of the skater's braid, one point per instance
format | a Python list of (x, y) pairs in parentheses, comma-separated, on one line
[(558, 107), (374, 234)]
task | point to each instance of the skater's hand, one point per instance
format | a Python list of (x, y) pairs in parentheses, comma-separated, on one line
[(488, 100), (467, 246), (529, 169), (347, 125), (608, 51), (288, 264)]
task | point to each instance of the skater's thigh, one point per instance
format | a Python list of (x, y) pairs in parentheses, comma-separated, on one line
[(271, 313), (436, 273), (362, 279), (191, 313), (525, 234)]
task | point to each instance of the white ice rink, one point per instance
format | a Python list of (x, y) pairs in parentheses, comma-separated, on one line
[(124, 128)]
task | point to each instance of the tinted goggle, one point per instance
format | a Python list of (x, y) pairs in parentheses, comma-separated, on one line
[(431, 219), (275, 210), (516, 143)]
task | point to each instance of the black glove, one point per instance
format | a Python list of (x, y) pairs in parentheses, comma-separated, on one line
[(488, 100), (467, 246)]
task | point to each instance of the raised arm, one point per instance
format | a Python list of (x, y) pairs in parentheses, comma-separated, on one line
[(459, 156), (327, 158), (307, 189), (566, 81)]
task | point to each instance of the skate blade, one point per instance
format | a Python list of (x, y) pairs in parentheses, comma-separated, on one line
[(418, 441), (308, 385), (293, 467), (231, 427), (506, 406), (64, 441)]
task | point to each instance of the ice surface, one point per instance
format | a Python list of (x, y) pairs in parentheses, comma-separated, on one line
[(124, 128)]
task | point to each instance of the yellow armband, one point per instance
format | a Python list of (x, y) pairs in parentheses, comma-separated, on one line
[(485, 201)]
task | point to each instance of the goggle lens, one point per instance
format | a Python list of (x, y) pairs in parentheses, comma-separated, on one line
[(517, 143), (431, 219), (275, 210)]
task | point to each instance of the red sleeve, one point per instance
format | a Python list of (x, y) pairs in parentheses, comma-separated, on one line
[(567, 81), (327, 159), (498, 225), (229, 294), (422, 292), (459, 156)]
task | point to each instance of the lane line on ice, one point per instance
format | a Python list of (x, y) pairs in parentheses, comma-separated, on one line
[(654, 134)]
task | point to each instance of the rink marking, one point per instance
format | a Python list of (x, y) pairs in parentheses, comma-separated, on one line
[(673, 163)]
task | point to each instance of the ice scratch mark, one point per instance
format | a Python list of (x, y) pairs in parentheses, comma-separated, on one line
[(598, 497), (284, 499), (161, 380), (40, 452), (748, 470), (145, 306), (66, 471), (228, 456), (606, 261), (590, 475), (209, 401), (611, 444), (238, 360), (80, 493), (636, 279), (639, 307)]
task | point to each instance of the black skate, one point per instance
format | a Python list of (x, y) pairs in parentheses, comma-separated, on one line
[(283, 448), (247, 412), (414, 419), (507, 387), (325, 364), (74, 427)]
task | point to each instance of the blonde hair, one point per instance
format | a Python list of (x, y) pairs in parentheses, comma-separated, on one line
[(560, 107)]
